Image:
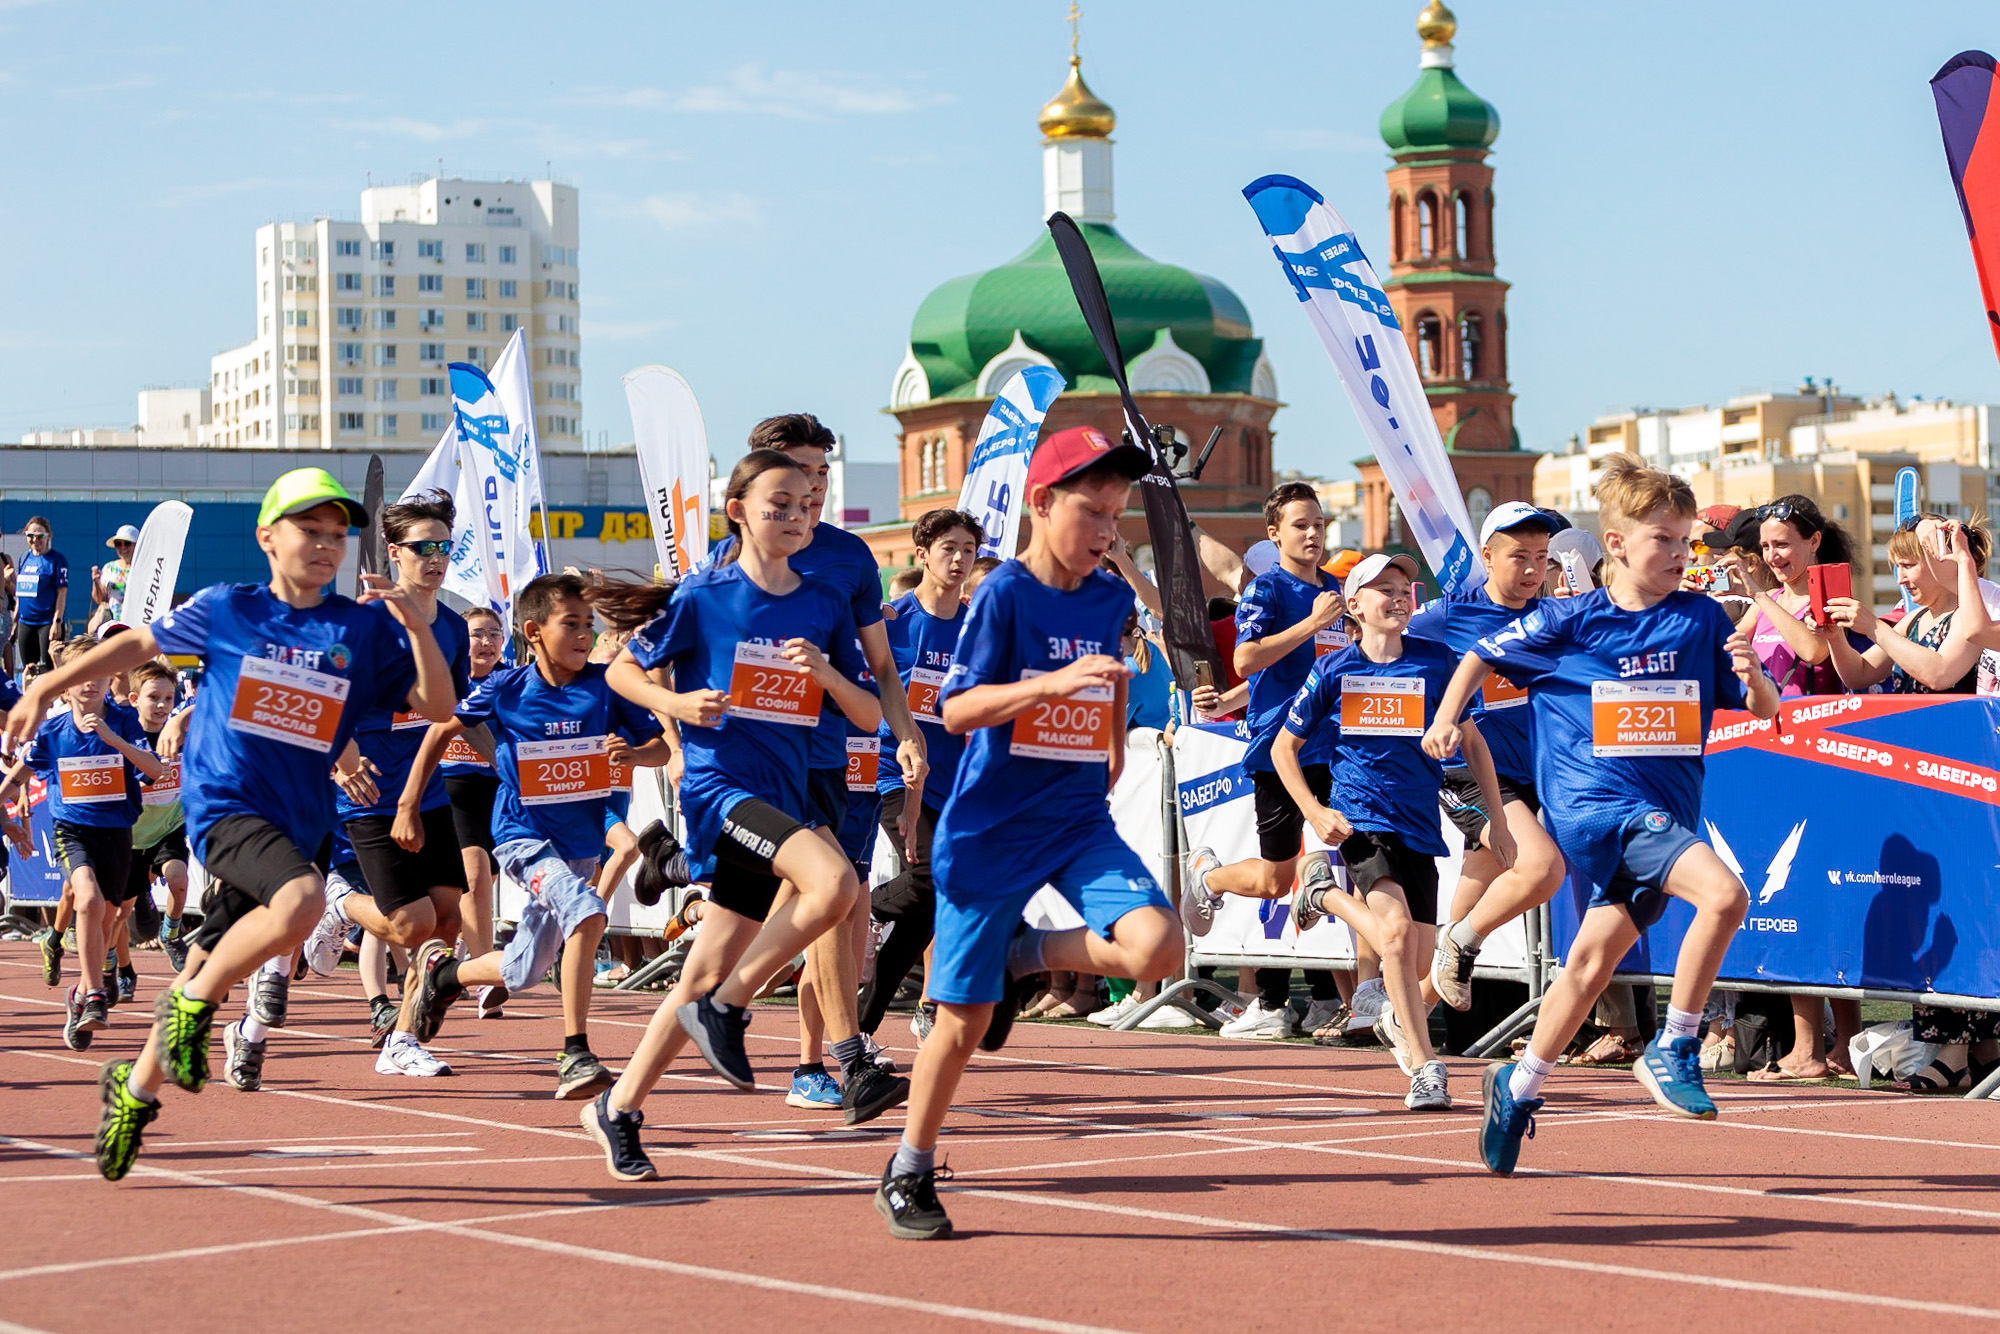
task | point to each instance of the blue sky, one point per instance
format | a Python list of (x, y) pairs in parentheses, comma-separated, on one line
[(1694, 200)]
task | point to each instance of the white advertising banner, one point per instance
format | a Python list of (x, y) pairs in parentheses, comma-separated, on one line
[(671, 443), (514, 384), (466, 575), (996, 476), (156, 564)]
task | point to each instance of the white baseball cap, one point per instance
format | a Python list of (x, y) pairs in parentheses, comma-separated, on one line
[(1577, 550), (1370, 569), (127, 533), (1261, 556), (1513, 514)]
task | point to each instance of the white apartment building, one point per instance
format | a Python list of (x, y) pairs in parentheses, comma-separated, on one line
[(356, 320)]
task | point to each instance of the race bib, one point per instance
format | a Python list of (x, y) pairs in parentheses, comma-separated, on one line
[(864, 763), (1331, 639), (90, 779), (166, 789), (552, 773), (27, 584), (1076, 729), (459, 751), (407, 722), (621, 776), (282, 702), (923, 692), (1634, 718), (766, 686), (1500, 693), (1382, 705)]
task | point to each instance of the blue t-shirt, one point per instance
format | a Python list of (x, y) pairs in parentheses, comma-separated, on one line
[(1032, 790), (548, 748), (1375, 714), (1622, 701), (1148, 693), (1275, 601), (89, 782), (721, 632), (283, 690), (10, 694), (390, 737), (1500, 709), (468, 761), (36, 581), (924, 647), (843, 563)]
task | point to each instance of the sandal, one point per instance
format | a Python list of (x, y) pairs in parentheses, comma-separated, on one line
[(1611, 1049), (1937, 1077)]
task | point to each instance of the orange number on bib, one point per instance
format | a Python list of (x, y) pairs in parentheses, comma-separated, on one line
[(1382, 705), (769, 688), (1635, 718)]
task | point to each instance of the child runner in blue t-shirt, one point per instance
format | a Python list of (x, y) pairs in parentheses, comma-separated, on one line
[(289, 673), (1372, 701), (555, 730), (1623, 682), (1036, 687), (93, 758)]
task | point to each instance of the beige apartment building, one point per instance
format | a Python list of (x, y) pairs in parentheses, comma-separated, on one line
[(357, 319)]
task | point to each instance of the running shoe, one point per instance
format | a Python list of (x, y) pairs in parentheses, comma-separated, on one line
[(1390, 1033), (717, 1033), (1672, 1074), (75, 1036), (910, 1204), (1370, 999), (409, 1058), (580, 1075), (1507, 1122), (873, 1051), (1315, 875), (491, 1001), (128, 985), (1451, 970), (109, 983), (923, 1019), (871, 1091), (617, 1133), (242, 1059), (662, 864), (1320, 1014), (427, 1011), (123, 1124), (183, 1024), (1197, 904), (814, 1090), (270, 997), (52, 955), (1013, 996), (328, 941), (1169, 1016), (682, 921), (1113, 1012), (173, 943), (1430, 1089), (382, 1015), (1269, 1022)]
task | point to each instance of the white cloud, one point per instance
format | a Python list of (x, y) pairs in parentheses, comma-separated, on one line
[(676, 210), (753, 90), (423, 131)]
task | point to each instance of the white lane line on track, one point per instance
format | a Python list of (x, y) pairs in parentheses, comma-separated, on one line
[(344, 1165)]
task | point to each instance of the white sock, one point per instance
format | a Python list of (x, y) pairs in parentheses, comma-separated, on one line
[(1529, 1072), (1465, 937), (279, 965), (132, 1087), (1680, 1024), (252, 1029)]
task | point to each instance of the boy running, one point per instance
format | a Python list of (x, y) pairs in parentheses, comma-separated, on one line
[(1624, 680), (159, 839), (1035, 685)]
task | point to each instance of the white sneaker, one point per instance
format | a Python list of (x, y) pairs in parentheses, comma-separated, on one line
[(407, 1058), (1226, 1010), (1318, 1015), (1261, 1022), (1430, 1089), (1111, 1014), (1169, 1016), (1197, 904), (324, 946), (492, 1002), (873, 1050), (1390, 1031), (1370, 999)]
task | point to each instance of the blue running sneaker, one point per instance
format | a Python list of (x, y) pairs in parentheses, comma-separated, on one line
[(1507, 1122), (814, 1090), (1672, 1074)]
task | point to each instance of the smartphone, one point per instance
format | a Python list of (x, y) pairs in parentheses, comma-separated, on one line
[(1943, 542), (1824, 583)]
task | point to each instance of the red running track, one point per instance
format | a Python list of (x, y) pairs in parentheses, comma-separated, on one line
[(1104, 1182)]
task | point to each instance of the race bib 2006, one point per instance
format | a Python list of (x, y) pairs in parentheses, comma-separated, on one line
[(1629, 719), (1076, 728)]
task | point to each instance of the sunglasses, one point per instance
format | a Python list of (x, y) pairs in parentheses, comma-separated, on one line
[(426, 549), (36, 537)]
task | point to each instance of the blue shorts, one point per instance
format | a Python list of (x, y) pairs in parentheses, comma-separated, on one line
[(560, 899), (616, 807), (1653, 843), (1103, 880), (858, 829)]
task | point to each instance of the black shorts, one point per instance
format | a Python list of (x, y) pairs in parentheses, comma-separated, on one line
[(472, 809), (826, 798), (752, 833), (1280, 826), (1372, 856), (249, 861), (150, 862), (1465, 806), (107, 852), (396, 878)]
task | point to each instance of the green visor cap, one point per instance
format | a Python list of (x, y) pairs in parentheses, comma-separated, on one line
[(307, 488)]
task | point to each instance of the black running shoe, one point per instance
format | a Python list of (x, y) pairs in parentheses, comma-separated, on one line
[(381, 1021), (618, 1134), (718, 1035), (128, 985), (96, 1013), (270, 997), (662, 864), (123, 1123), (50, 941), (869, 1092), (427, 1011), (75, 1036), (581, 1075), (242, 1059), (1019, 991), (910, 1203)]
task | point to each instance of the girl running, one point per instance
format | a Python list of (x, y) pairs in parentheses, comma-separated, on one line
[(469, 783)]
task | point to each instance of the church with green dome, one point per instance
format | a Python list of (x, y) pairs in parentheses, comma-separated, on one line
[(1192, 358)]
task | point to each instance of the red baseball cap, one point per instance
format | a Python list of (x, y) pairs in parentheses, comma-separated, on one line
[(1068, 452)]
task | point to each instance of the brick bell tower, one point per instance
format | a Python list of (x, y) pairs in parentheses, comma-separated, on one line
[(1451, 304)]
